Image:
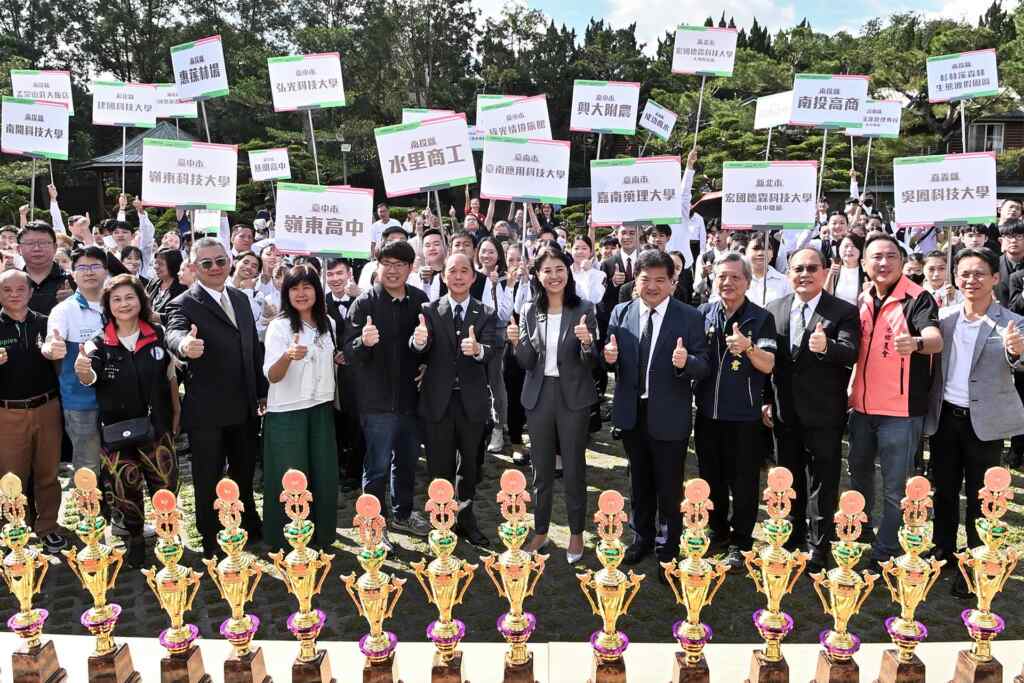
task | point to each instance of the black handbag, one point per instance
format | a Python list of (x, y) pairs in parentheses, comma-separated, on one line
[(137, 431)]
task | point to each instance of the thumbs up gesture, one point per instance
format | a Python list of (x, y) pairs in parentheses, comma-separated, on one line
[(738, 342), (611, 351), (679, 354), (582, 332), (192, 346), (1013, 341), (370, 336), (818, 342), (54, 348), (619, 277), (421, 334), (905, 344), (83, 366), (3, 355), (512, 332), (297, 351), (470, 346)]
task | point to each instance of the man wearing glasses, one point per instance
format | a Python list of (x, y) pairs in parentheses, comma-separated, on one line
[(37, 243), (210, 326), (805, 403)]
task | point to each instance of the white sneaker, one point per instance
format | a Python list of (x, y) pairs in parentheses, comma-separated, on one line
[(416, 524), (497, 444)]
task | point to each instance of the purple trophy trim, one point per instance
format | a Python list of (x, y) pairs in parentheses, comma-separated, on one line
[(983, 632), (835, 649), (240, 636), (314, 628), (460, 633), (531, 624), (684, 641), (922, 631), (179, 645), (609, 652), (781, 632), (379, 654), (90, 621), (25, 630)]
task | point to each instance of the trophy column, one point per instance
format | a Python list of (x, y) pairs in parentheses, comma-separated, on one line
[(97, 566), (24, 569)]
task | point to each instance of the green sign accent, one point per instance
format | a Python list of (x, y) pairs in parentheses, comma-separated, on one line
[(396, 128), (598, 163), (112, 84), (330, 103), (586, 82), (288, 58), (722, 74), (930, 159), (180, 144), (19, 100), (48, 155), (301, 187), (499, 105), (505, 138), (815, 77), (212, 94), (183, 46), (699, 29), (940, 58), (746, 164), (26, 72)]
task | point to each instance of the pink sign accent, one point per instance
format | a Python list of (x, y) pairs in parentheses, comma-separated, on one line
[(610, 502), (227, 490), (367, 505), (513, 482), (164, 501), (294, 481)]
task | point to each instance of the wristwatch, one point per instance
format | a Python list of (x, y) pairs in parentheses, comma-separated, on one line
[(920, 344)]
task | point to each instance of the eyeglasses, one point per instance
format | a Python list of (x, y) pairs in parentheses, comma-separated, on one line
[(393, 265), (208, 263), (973, 275), (92, 268), (39, 244), (810, 269)]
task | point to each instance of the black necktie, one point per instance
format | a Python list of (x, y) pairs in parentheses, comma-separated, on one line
[(645, 350), (629, 269), (458, 320)]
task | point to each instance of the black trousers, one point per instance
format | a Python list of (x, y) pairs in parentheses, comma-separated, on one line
[(452, 445), (814, 456), (514, 377), (656, 485), (1017, 442), (351, 444), (958, 454), (212, 448), (729, 460)]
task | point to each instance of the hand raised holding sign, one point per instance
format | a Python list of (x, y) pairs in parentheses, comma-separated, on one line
[(818, 342), (611, 351), (470, 346), (582, 332), (679, 354), (370, 336)]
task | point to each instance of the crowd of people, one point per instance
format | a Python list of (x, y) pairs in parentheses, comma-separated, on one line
[(460, 338)]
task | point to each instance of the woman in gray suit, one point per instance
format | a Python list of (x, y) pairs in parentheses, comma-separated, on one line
[(555, 346)]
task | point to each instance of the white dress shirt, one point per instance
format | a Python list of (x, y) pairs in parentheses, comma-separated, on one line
[(794, 316), (848, 286), (958, 375), (773, 286), (552, 327), (645, 312), (589, 284)]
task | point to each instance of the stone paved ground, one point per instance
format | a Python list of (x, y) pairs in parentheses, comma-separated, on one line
[(561, 609)]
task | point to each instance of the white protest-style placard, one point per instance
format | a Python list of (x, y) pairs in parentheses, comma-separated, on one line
[(881, 120), (829, 101), (763, 195), (200, 71), (658, 120), (131, 105), (306, 81), (704, 51), (945, 189), (170, 106), (522, 117), (413, 114), (476, 139), (34, 128), (43, 84), (323, 219), (604, 107), (962, 76), (269, 164), (189, 175), (486, 99), (644, 190), (426, 155), (205, 221), (773, 110), (525, 170)]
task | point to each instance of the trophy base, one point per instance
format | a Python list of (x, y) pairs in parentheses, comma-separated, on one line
[(115, 667), (38, 665), (690, 673), (968, 670), (249, 668), (608, 671), (186, 667), (318, 670), (381, 672), (447, 672), (520, 673), (764, 671), (895, 671), (835, 671)]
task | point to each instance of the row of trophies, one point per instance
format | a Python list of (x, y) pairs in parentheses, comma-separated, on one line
[(694, 580)]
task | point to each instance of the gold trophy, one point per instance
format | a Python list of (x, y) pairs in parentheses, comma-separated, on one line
[(698, 582), (24, 571), (97, 566), (612, 590), (375, 594), (236, 577), (774, 571), (440, 581), (847, 592), (175, 588), (515, 566), (986, 569), (299, 572), (909, 579)]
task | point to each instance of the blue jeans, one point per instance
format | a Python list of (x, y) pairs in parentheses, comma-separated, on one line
[(83, 429), (392, 443), (894, 440)]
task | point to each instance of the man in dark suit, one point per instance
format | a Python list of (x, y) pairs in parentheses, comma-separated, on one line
[(211, 328), (341, 294), (618, 270), (656, 346), (455, 336), (818, 336)]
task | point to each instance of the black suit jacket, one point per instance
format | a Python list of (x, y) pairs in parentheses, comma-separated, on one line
[(809, 388), (611, 292), (227, 381), (1016, 293), (1006, 272), (445, 361)]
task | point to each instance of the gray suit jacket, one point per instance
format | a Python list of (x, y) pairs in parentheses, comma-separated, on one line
[(575, 374), (996, 408)]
